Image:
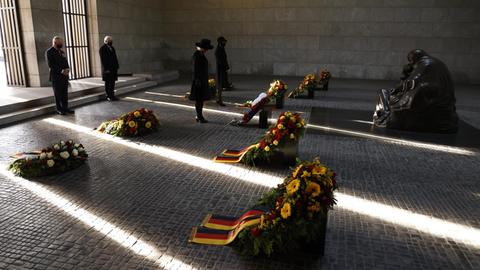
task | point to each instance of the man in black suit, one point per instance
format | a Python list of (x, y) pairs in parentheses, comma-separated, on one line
[(222, 68), (59, 70), (110, 67)]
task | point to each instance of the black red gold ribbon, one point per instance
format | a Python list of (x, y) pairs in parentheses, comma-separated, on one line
[(222, 230), (232, 156)]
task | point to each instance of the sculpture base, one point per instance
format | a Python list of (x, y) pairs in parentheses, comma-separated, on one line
[(285, 155)]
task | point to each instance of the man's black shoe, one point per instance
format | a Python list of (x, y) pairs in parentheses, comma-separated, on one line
[(61, 113)]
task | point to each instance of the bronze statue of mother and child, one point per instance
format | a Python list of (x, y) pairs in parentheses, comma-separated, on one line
[(423, 101)]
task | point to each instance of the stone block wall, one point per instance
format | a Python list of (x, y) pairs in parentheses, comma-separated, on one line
[(135, 28), (352, 38)]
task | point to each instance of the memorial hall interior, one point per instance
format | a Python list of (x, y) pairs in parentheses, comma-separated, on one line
[(239, 134)]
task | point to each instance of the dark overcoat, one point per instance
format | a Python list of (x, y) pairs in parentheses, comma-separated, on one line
[(108, 57), (199, 91), (57, 61), (221, 57)]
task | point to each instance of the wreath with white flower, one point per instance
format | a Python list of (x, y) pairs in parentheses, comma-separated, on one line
[(60, 157)]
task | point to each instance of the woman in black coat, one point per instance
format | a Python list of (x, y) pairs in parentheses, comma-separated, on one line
[(200, 91)]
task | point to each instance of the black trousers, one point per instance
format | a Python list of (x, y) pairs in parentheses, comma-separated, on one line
[(199, 108), (110, 88), (60, 91), (222, 82)]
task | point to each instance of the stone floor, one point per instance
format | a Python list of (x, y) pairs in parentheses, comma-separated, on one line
[(152, 197)]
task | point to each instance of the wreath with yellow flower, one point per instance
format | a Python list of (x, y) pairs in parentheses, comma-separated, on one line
[(308, 83), (299, 208), (277, 89), (136, 123), (57, 158), (288, 129)]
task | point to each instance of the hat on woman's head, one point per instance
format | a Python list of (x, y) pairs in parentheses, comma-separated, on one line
[(205, 44), (221, 39)]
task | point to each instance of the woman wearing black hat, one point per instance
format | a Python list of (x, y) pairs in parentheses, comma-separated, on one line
[(199, 91)]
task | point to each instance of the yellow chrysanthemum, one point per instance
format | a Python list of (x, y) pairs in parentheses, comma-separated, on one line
[(132, 124), (280, 126), (306, 174), (120, 123), (293, 119), (282, 117), (137, 114), (267, 148), (293, 186), (148, 124), (313, 189), (275, 142), (297, 170), (319, 170), (299, 125), (286, 211), (292, 136)]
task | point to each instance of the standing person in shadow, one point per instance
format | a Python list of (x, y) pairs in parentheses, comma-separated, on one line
[(222, 68), (200, 91), (110, 67), (59, 71)]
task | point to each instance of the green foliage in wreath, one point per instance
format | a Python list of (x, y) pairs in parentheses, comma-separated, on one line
[(299, 207), (58, 158)]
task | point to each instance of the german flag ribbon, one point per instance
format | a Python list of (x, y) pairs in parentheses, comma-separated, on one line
[(201, 235), (222, 230), (232, 156), (226, 223)]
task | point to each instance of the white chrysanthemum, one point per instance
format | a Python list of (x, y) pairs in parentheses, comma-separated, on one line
[(74, 152), (50, 163), (65, 154), (56, 147), (81, 149), (50, 155), (43, 156)]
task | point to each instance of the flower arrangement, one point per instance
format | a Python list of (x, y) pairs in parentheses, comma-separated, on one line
[(308, 83), (212, 87), (277, 89), (324, 76), (289, 128), (58, 158), (136, 123), (298, 210), (212, 83)]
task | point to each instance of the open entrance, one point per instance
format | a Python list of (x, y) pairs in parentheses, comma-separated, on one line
[(11, 58), (76, 38)]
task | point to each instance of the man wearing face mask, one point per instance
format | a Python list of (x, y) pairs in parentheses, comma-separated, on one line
[(59, 70), (109, 60)]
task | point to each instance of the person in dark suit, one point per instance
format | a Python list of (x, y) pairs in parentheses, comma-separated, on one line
[(200, 91), (59, 70), (222, 68), (110, 66)]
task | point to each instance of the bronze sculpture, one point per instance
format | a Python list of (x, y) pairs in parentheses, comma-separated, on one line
[(423, 101)]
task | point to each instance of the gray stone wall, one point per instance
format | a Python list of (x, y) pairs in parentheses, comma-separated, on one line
[(352, 38), (134, 25)]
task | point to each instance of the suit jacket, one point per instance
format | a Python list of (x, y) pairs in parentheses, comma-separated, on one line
[(57, 61), (221, 57), (108, 57), (200, 77)]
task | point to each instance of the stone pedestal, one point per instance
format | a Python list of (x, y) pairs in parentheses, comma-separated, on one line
[(317, 247), (280, 102), (285, 155), (311, 93)]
